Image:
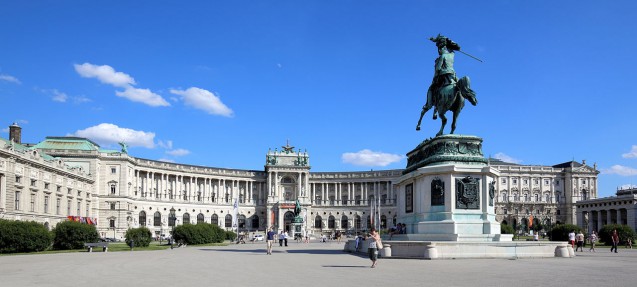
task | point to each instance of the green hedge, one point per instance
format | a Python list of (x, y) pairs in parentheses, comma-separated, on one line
[(624, 232), (506, 229), (73, 235), (201, 233), (23, 236), (230, 235), (560, 232), (141, 236)]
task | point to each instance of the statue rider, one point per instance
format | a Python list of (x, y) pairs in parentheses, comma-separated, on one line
[(444, 73)]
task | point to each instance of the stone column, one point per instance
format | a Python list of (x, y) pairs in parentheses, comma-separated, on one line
[(300, 178)]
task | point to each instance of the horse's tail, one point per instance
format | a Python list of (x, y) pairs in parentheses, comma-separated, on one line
[(464, 86)]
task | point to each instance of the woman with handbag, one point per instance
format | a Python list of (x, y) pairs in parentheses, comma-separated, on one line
[(374, 245)]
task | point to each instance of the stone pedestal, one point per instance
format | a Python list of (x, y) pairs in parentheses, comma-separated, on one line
[(447, 191)]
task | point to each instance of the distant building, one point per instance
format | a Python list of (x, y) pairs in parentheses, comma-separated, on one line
[(547, 193), (593, 214), (122, 192)]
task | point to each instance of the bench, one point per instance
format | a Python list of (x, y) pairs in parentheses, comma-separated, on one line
[(90, 246)]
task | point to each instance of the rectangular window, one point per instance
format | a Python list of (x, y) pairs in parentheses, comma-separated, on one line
[(68, 207), (546, 182), (46, 204), (17, 200), (33, 182), (18, 179), (111, 223), (58, 189), (88, 207), (69, 191), (58, 203), (358, 200), (409, 198), (113, 170), (557, 182), (112, 205), (46, 185), (504, 181), (515, 181), (32, 202), (344, 200), (79, 206)]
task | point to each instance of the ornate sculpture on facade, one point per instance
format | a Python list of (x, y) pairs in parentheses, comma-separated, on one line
[(124, 147), (446, 92), (491, 192)]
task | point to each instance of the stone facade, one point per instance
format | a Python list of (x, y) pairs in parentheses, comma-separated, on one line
[(37, 187), (123, 191), (593, 214), (548, 193)]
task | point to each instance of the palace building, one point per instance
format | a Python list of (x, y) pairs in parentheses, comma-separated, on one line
[(63, 177)]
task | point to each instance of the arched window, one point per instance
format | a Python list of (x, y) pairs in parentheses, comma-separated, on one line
[(214, 219), (526, 197), (331, 222), (200, 218), (172, 217), (357, 222), (241, 220), (157, 219), (255, 222), (228, 220), (186, 218), (344, 224), (318, 222), (142, 218), (504, 197)]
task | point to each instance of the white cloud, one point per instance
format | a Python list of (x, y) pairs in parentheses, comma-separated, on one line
[(81, 99), (620, 170), (632, 153), (166, 160), (505, 158), (370, 158), (178, 152), (165, 144), (143, 96), (10, 79), (59, 96), (105, 74), (110, 134), (204, 100)]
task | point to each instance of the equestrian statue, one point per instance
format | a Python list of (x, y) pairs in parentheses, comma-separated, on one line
[(447, 92)]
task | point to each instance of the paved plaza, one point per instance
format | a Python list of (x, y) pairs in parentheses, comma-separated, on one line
[(313, 264)]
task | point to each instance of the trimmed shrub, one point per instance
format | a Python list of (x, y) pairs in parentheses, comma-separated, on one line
[(506, 229), (141, 236), (23, 236), (624, 232), (230, 235), (73, 235), (202, 233), (560, 232)]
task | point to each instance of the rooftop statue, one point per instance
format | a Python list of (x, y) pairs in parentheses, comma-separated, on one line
[(447, 92)]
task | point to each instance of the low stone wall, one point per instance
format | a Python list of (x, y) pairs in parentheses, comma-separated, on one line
[(465, 250)]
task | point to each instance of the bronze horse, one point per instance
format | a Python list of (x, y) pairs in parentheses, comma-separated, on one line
[(450, 98)]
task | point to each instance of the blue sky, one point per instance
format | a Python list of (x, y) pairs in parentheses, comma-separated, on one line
[(216, 83)]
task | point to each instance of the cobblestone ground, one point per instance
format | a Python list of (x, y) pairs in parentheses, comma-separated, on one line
[(313, 264)]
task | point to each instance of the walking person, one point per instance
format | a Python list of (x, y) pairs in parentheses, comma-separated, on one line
[(593, 239), (580, 241), (270, 239), (615, 239), (374, 245), (281, 237), (571, 238), (285, 238)]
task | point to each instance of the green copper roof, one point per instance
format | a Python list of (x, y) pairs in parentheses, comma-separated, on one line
[(68, 143), (22, 148)]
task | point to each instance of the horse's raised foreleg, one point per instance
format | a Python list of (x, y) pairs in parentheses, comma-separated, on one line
[(453, 122), (425, 108), (443, 120)]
